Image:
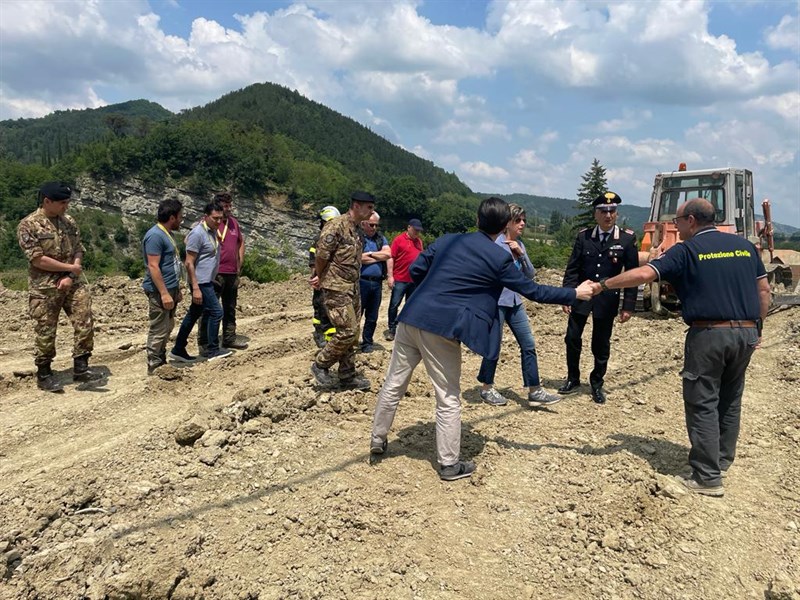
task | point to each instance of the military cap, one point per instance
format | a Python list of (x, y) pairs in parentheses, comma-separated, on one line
[(55, 190), (362, 197), (607, 201)]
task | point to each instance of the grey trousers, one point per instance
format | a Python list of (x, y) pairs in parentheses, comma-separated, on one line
[(715, 361), (161, 323), (442, 360)]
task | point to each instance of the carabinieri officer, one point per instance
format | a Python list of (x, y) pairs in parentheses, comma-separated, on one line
[(724, 293), (599, 252)]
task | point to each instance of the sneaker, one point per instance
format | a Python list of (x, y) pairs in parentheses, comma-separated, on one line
[(493, 397), (716, 491), (356, 382), (218, 353), (367, 348), (542, 398), (389, 336), (322, 376), (181, 356), (457, 471), (378, 446)]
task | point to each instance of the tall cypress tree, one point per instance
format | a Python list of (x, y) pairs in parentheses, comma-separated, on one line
[(594, 183)]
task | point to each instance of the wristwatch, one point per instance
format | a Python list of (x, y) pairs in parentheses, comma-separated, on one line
[(603, 285), (72, 276)]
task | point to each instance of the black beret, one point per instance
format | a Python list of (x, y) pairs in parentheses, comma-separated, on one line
[(55, 190), (607, 200), (362, 197)]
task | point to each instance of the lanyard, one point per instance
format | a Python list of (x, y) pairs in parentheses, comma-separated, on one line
[(221, 238), (213, 237), (171, 239)]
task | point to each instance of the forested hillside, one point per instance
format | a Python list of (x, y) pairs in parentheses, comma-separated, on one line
[(49, 139), (278, 110)]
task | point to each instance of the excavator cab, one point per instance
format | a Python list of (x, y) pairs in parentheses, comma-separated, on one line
[(730, 191)]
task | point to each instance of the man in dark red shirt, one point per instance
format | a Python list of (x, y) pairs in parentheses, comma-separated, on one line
[(226, 284), (405, 249)]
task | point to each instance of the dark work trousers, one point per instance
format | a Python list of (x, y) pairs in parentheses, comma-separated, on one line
[(371, 296), (228, 294), (714, 364), (601, 347)]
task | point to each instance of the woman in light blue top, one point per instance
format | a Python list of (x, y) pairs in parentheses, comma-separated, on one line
[(512, 311)]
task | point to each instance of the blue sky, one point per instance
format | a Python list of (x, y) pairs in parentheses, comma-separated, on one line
[(515, 96)]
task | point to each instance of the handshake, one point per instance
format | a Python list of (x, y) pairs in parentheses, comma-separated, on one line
[(587, 289)]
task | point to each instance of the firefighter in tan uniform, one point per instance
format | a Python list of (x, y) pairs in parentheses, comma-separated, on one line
[(338, 269), (323, 330), (50, 240)]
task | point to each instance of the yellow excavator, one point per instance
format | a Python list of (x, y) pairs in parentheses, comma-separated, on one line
[(730, 191)]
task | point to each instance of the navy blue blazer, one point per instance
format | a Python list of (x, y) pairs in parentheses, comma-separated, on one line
[(459, 279)]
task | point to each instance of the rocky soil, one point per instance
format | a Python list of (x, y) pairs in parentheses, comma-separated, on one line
[(237, 479)]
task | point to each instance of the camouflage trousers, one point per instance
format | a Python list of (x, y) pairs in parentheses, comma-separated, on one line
[(344, 312), (44, 308)]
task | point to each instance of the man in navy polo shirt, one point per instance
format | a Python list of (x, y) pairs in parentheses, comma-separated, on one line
[(376, 265), (722, 285)]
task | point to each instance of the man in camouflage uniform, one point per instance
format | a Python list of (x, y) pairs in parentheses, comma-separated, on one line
[(338, 269), (323, 329), (51, 241)]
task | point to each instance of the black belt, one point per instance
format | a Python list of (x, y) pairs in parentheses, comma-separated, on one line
[(727, 324), (371, 278)]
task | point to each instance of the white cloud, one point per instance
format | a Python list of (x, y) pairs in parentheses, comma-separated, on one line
[(786, 35), (787, 106), (630, 119)]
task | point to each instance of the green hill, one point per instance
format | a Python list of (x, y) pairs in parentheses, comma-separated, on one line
[(328, 134), (48, 139)]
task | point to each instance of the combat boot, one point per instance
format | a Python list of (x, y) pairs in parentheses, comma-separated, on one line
[(45, 380), (80, 369)]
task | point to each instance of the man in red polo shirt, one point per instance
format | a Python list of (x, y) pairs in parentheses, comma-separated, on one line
[(405, 249)]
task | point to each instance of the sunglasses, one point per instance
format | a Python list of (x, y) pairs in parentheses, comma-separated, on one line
[(370, 224)]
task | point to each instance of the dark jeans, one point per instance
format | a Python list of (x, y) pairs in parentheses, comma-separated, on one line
[(211, 309), (601, 347), (517, 320), (401, 289), (371, 296), (228, 293), (715, 361)]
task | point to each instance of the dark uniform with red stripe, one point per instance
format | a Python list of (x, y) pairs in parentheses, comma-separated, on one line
[(595, 259)]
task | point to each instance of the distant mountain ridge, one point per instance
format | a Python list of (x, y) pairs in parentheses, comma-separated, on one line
[(633, 216)]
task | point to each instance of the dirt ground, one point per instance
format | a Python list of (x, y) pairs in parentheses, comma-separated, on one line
[(278, 498)]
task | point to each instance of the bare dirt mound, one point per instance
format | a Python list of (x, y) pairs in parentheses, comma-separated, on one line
[(239, 479)]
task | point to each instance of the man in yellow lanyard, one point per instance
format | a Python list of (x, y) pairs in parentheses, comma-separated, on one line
[(226, 283), (162, 280), (202, 263)]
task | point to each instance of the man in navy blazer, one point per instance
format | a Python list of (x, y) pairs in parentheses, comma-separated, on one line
[(459, 280)]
